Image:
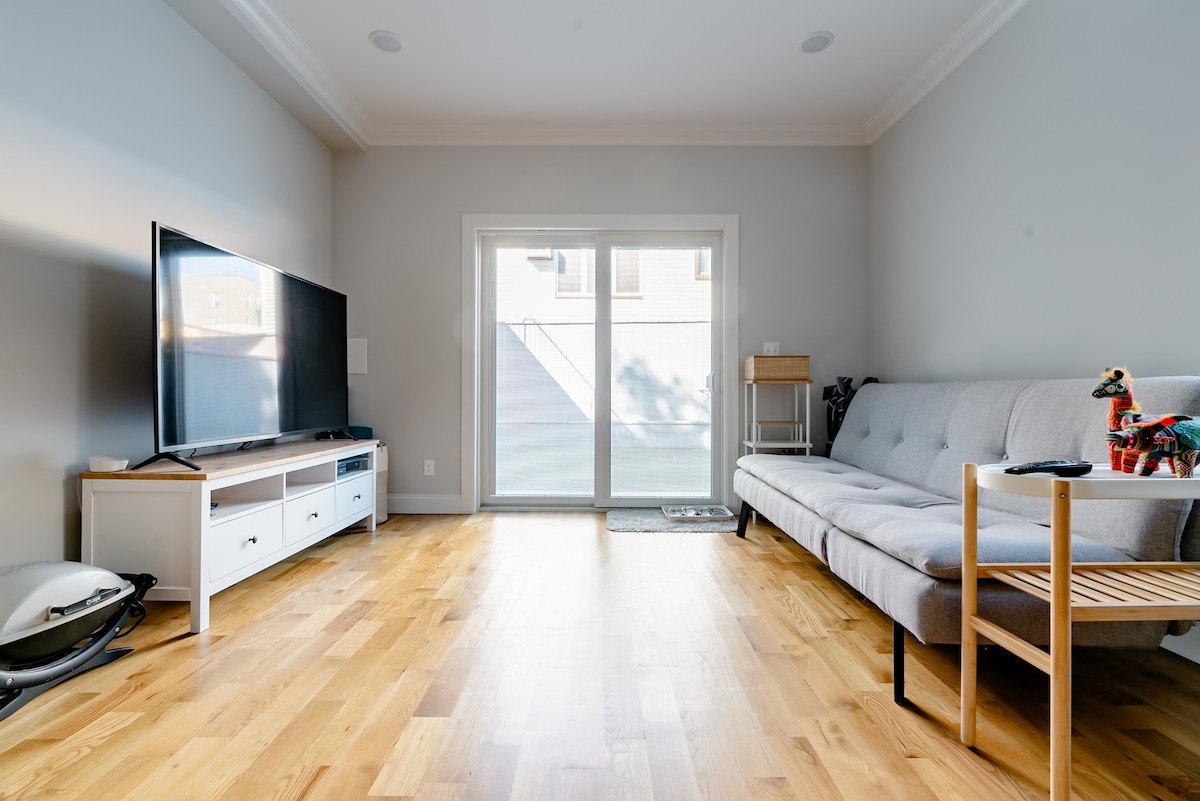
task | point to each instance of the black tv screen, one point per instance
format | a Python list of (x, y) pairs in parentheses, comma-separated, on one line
[(245, 351), (313, 395)]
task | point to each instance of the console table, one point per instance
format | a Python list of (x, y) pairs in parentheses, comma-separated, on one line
[(200, 532), (1075, 592)]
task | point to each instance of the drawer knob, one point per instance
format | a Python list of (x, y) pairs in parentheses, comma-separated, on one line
[(254, 538), (357, 497), (315, 514)]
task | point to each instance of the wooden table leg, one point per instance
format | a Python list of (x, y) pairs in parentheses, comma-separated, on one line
[(970, 605), (1060, 642)]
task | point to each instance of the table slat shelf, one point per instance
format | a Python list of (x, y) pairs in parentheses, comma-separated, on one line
[(1095, 590)]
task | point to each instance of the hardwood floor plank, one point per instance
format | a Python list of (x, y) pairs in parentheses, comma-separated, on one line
[(672, 773), (440, 792), (628, 776), (405, 768), (748, 742), (858, 774), (183, 774), (622, 707), (361, 738), (774, 788), (443, 694), (806, 773), (584, 745), (467, 725), (493, 773), (656, 691), (720, 774), (26, 770)]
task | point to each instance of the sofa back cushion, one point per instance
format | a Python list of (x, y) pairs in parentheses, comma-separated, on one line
[(922, 434)]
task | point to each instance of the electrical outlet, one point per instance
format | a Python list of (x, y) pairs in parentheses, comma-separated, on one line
[(429, 467), (770, 349)]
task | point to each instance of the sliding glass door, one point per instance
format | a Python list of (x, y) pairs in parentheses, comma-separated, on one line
[(598, 369)]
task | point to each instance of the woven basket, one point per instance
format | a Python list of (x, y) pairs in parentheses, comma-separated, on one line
[(776, 368)]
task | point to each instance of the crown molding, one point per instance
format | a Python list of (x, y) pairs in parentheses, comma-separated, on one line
[(703, 135), (969, 38), (282, 43)]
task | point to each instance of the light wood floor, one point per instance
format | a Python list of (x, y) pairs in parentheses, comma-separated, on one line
[(539, 656)]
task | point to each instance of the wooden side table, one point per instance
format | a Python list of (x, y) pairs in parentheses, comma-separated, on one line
[(1075, 592)]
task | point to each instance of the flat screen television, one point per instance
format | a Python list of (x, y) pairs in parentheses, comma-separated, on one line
[(245, 351)]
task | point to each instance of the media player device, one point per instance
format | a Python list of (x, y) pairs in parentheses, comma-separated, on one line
[(353, 464)]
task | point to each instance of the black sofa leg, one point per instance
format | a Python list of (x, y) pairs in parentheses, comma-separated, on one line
[(898, 663), (744, 519)]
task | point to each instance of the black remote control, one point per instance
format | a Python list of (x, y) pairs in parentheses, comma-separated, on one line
[(1064, 468)]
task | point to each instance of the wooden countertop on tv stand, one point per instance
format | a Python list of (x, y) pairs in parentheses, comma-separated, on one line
[(228, 463)]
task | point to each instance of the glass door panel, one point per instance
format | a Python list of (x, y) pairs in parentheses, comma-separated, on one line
[(660, 368), (544, 368)]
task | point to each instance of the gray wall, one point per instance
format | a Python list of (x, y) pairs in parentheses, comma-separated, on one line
[(398, 231), (1036, 214), (114, 114)]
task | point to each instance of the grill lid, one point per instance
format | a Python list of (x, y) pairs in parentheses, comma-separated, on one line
[(36, 596)]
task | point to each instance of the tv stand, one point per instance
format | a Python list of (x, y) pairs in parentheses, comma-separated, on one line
[(170, 455), (199, 532)]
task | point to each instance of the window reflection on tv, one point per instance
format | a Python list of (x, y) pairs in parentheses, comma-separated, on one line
[(219, 350)]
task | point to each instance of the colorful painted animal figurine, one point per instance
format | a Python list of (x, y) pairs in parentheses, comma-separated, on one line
[(1116, 384), (1173, 437)]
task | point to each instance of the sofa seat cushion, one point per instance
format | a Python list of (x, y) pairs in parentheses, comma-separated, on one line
[(917, 527)]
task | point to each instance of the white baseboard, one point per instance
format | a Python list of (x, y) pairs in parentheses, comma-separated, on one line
[(1187, 646), (428, 505)]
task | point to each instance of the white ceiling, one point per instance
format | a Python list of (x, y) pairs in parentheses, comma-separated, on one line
[(597, 71)]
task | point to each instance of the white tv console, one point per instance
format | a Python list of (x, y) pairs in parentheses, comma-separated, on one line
[(200, 532)]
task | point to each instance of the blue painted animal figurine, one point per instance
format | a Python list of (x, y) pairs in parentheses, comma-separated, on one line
[(1175, 438)]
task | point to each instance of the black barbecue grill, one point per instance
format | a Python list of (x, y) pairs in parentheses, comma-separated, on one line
[(57, 620)]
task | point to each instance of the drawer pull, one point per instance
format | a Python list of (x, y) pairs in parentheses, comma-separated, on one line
[(254, 539), (357, 497), (315, 514)]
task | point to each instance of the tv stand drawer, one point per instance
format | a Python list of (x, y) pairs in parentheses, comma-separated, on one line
[(241, 542), (355, 498), (308, 515)]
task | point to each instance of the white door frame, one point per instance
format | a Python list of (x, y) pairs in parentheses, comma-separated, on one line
[(726, 366)]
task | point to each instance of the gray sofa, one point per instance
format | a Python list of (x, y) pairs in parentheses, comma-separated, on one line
[(883, 511)]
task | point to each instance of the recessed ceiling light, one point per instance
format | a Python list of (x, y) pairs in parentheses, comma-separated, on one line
[(816, 41), (386, 41)]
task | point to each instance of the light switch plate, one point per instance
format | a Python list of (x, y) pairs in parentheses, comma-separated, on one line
[(770, 349)]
